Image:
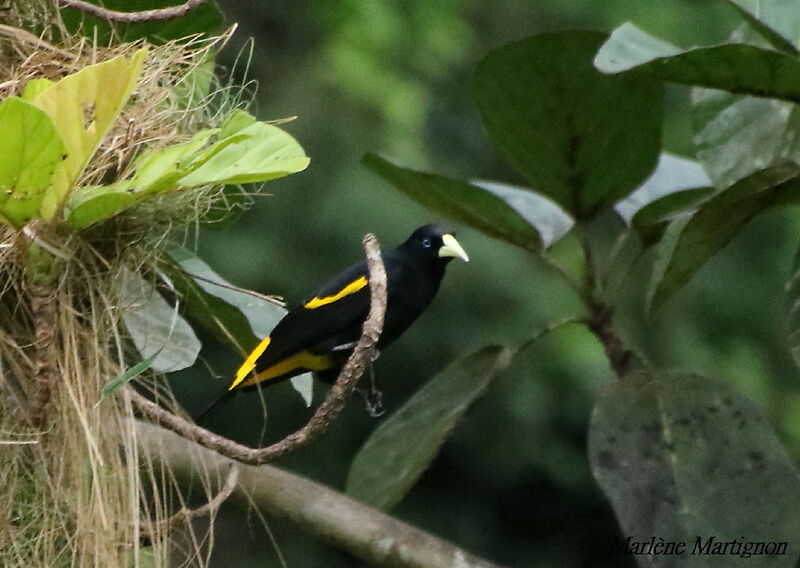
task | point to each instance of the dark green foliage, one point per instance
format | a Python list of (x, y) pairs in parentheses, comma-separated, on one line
[(717, 221), (681, 456), (402, 447), (583, 139)]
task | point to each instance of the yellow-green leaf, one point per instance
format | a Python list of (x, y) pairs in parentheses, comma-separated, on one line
[(83, 106), (34, 88), (261, 153), (30, 150)]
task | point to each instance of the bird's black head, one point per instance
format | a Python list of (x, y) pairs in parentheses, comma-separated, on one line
[(434, 244)]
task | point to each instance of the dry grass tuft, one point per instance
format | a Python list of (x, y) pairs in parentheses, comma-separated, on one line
[(75, 491)]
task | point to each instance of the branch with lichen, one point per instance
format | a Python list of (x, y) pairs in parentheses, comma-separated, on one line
[(326, 413), (132, 17), (362, 531)]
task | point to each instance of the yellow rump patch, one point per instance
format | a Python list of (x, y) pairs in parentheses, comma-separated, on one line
[(250, 363), (302, 360), (351, 288)]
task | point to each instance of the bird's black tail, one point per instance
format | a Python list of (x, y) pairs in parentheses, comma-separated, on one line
[(218, 401)]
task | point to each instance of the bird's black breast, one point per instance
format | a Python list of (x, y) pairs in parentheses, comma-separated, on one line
[(411, 288)]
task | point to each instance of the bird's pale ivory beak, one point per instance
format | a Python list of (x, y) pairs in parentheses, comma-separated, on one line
[(451, 247)]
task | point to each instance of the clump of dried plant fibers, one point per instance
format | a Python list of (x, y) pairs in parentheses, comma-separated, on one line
[(72, 491)]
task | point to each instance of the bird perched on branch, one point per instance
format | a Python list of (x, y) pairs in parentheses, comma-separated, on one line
[(321, 333)]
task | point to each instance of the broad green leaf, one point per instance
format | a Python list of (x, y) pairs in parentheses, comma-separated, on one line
[(242, 151), (90, 204), (737, 136), (651, 221), (155, 326), (34, 88), (716, 222), (30, 151), (401, 448), (461, 201), (793, 295), (683, 457), (582, 138), (83, 106), (237, 120), (113, 385), (233, 316), (262, 152), (549, 220), (673, 174), (778, 21), (734, 67), (205, 19)]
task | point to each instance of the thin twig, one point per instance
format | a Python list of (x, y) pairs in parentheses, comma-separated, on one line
[(186, 515), (327, 412), (132, 17), (551, 327), (266, 297)]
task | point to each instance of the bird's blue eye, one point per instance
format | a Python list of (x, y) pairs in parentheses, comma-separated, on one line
[(426, 243)]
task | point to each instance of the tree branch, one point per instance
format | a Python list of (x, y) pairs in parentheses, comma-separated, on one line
[(132, 17), (361, 530), (330, 408)]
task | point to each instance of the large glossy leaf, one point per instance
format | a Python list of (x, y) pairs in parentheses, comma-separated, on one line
[(735, 67), (737, 136), (83, 106), (205, 19), (30, 150), (242, 151), (233, 316), (682, 457), (716, 222), (582, 138), (156, 327), (261, 152), (673, 174), (401, 448), (499, 211), (778, 21)]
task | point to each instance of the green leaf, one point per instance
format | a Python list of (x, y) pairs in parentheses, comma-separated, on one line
[(582, 138), (261, 152), (683, 457), (34, 88), (737, 136), (155, 326), (205, 19), (248, 152), (83, 106), (30, 150), (130, 374), (673, 174), (233, 316), (734, 67), (466, 203), (793, 319), (401, 448), (91, 204), (716, 222), (651, 221), (778, 21)]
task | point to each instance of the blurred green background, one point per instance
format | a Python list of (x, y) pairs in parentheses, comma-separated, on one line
[(513, 484)]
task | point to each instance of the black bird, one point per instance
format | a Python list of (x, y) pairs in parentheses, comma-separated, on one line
[(321, 333)]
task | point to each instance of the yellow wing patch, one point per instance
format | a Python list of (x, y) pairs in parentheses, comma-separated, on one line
[(302, 360), (351, 288), (250, 363)]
